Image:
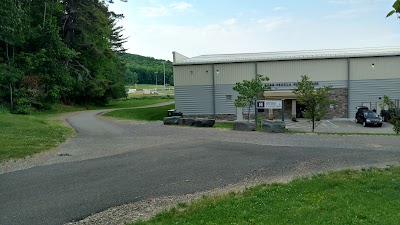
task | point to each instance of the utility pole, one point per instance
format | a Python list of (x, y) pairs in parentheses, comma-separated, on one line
[(156, 73), (164, 75)]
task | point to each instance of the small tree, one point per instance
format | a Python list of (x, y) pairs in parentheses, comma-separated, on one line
[(316, 100), (394, 113), (249, 91)]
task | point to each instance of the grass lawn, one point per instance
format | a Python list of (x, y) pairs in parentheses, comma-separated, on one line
[(23, 135), (147, 114), (224, 125), (146, 86), (134, 102), (370, 196)]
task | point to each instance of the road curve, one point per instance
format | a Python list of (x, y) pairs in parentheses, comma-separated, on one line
[(110, 163)]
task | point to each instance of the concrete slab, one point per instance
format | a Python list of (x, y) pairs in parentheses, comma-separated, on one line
[(338, 125)]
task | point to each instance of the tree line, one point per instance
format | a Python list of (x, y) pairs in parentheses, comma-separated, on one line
[(143, 70), (59, 50)]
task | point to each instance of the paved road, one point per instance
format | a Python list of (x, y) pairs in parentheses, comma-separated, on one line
[(110, 163)]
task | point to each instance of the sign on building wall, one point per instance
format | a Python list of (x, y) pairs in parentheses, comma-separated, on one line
[(269, 104)]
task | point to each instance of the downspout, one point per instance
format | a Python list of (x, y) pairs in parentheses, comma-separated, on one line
[(213, 93), (348, 87)]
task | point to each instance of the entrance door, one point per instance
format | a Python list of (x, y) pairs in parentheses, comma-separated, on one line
[(299, 110)]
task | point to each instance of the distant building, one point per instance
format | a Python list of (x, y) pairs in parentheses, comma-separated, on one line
[(203, 84)]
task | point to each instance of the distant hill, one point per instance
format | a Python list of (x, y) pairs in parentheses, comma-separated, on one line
[(143, 70)]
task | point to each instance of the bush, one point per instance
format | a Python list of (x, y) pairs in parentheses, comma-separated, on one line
[(396, 124)]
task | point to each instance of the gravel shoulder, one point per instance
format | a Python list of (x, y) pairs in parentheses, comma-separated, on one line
[(101, 138)]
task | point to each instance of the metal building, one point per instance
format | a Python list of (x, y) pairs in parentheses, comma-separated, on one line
[(203, 84)]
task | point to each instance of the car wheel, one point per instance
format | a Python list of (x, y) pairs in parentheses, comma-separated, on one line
[(379, 125), (364, 124)]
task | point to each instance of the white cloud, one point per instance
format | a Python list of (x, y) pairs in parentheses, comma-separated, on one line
[(350, 13), (163, 10), (181, 6), (270, 24), (279, 8), (230, 22)]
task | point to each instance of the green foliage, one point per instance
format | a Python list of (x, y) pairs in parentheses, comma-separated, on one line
[(249, 91), (52, 51), (143, 70), (396, 8), (370, 196), (316, 100), (394, 111)]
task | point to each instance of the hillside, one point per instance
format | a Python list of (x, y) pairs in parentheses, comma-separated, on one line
[(143, 70)]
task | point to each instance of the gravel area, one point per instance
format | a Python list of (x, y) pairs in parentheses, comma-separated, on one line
[(99, 137)]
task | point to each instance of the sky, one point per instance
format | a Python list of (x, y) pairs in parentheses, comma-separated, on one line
[(156, 28)]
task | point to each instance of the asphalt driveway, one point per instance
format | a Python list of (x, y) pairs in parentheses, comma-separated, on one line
[(110, 163)]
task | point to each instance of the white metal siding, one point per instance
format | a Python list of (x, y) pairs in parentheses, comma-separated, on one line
[(235, 72), (383, 68), (317, 70), (193, 75)]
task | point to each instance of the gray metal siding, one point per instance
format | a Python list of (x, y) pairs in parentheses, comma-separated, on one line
[(223, 105), (370, 91), (194, 99)]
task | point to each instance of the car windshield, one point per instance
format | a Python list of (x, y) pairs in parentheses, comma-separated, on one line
[(370, 114)]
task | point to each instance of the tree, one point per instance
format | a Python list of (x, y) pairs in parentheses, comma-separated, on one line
[(394, 113), (249, 91), (316, 100), (396, 9)]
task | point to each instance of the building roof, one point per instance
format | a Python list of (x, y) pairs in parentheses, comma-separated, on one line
[(291, 55)]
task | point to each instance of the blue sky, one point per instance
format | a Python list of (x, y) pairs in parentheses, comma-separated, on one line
[(199, 27)]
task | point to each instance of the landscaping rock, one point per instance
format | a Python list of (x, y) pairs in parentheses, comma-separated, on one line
[(172, 120), (185, 121), (273, 126), (199, 122), (244, 126)]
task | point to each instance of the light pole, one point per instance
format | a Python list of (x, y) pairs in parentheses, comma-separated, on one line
[(156, 73), (164, 75)]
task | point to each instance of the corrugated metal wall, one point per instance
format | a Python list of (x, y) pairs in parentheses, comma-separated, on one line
[(317, 70), (234, 72), (366, 91), (193, 75), (194, 99), (375, 68), (224, 105), (371, 78)]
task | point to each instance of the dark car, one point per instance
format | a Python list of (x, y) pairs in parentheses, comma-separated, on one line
[(360, 111), (369, 118)]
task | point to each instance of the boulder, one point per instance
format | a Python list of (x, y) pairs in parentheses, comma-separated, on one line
[(273, 126), (185, 121), (244, 126), (199, 122), (172, 120)]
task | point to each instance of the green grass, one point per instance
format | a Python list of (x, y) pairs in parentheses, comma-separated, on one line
[(134, 102), (224, 125), (347, 197), (23, 135), (146, 86), (147, 114)]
